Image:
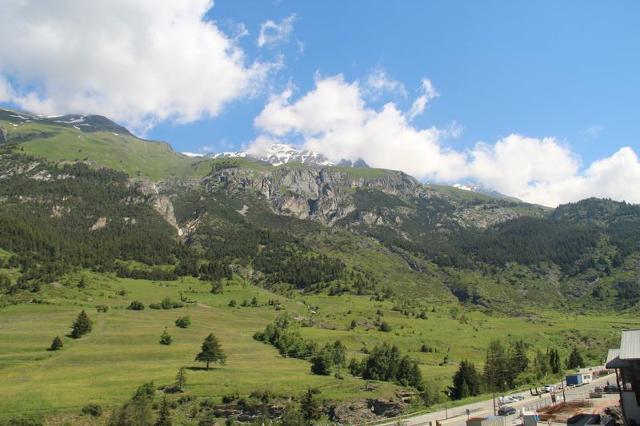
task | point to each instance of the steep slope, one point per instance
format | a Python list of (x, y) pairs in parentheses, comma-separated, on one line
[(99, 141)]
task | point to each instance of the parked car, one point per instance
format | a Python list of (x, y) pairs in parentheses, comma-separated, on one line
[(506, 411), (517, 397), (611, 389), (548, 388)]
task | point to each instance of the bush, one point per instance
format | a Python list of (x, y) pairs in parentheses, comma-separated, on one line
[(165, 338), (136, 306), (385, 327), (232, 303), (183, 322), (93, 410), (56, 344), (229, 398), (166, 303), (102, 308)]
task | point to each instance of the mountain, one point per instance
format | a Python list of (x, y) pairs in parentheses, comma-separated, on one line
[(280, 261), (278, 154)]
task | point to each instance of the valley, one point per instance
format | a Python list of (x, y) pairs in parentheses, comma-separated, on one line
[(93, 218)]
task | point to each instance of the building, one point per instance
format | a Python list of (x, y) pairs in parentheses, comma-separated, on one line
[(626, 362), (580, 377)]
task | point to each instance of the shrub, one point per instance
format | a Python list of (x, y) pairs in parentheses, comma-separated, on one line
[(93, 410), (165, 338), (81, 326), (56, 344), (102, 308), (136, 306), (183, 322), (229, 398), (385, 327), (232, 303)]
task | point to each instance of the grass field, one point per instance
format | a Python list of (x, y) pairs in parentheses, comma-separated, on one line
[(123, 352)]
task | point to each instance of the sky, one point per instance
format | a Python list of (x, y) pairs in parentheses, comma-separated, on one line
[(537, 100)]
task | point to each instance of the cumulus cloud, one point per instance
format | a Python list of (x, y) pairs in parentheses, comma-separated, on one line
[(139, 62), (273, 33), (335, 120)]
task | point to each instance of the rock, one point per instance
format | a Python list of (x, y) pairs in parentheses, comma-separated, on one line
[(3, 135), (100, 223)]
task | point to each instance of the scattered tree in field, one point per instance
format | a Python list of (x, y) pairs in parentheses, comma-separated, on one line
[(56, 344), (165, 338), (310, 408), (81, 326), (211, 351), (136, 306), (164, 415), (575, 359), (386, 363), (466, 381), (183, 322), (232, 303), (181, 379)]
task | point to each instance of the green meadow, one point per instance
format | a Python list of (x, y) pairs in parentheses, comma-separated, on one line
[(123, 351)]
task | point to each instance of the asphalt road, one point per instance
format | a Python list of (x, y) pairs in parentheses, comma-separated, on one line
[(458, 415)]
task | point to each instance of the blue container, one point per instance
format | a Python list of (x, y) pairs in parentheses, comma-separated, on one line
[(574, 379)]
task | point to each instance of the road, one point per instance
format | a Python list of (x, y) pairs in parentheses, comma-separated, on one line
[(458, 415)]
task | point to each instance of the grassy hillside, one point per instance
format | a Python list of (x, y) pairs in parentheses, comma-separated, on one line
[(123, 352)]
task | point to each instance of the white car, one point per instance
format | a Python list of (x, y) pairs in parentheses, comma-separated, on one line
[(548, 388)]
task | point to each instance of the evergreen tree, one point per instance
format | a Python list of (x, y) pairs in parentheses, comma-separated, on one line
[(164, 415), (575, 360), (138, 411), (181, 379), (310, 407), (56, 344), (338, 356), (211, 351), (518, 357), (81, 326), (466, 381), (554, 361), (497, 372), (165, 338), (541, 364)]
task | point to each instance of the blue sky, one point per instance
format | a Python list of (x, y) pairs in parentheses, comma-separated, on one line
[(538, 68), (536, 99)]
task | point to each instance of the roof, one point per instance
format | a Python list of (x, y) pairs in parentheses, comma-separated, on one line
[(612, 354), (630, 344)]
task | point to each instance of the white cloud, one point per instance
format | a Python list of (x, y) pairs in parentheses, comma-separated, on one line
[(428, 93), (139, 62), (335, 120), (379, 83), (272, 33)]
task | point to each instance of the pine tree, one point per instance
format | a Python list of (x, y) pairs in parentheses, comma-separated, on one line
[(518, 357), (466, 381), (497, 372), (165, 338), (541, 364), (81, 326), (310, 407), (575, 359), (211, 351), (164, 416), (554, 361), (181, 379), (56, 344)]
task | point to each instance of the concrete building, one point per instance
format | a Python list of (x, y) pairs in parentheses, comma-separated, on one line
[(626, 362)]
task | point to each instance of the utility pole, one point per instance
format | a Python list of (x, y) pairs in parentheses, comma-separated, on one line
[(494, 401)]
